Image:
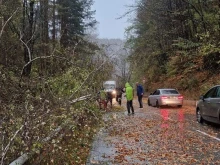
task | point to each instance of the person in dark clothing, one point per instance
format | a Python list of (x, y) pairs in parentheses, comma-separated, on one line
[(119, 94), (109, 98), (140, 93)]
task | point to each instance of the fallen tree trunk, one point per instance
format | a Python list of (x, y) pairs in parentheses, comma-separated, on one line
[(23, 158)]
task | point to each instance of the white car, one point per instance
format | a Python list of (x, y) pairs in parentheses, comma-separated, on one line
[(165, 97)]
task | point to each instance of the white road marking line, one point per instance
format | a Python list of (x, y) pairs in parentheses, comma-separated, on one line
[(208, 135)]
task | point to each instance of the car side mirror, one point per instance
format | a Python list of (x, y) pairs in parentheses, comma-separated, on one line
[(201, 97)]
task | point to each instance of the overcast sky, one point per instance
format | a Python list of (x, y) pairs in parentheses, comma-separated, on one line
[(107, 12)]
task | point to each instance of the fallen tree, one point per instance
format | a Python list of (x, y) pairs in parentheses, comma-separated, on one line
[(23, 158)]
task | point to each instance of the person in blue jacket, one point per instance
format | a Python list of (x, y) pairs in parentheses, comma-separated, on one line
[(140, 93)]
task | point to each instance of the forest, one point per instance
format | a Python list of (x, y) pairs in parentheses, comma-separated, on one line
[(175, 43), (49, 79), (51, 68)]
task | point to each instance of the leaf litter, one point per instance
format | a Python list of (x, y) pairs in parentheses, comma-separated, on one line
[(146, 138)]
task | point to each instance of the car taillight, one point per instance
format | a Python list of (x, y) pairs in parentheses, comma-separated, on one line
[(163, 97), (180, 97)]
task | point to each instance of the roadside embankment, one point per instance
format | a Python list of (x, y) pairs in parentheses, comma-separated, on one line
[(190, 102)]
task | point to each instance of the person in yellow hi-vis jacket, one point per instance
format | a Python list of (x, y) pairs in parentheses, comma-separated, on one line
[(129, 96)]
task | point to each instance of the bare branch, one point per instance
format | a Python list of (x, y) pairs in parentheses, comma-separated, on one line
[(25, 44), (74, 49), (127, 13), (23, 158), (8, 21), (80, 99), (95, 70), (8, 145)]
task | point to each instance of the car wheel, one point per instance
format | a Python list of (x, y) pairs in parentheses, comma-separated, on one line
[(148, 102), (157, 104), (199, 116)]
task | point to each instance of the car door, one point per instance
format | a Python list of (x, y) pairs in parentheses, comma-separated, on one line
[(155, 97), (215, 104), (151, 98), (208, 102)]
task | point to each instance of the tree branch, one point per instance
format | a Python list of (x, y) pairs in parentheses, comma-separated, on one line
[(8, 145), (8, 21), (23, 158)]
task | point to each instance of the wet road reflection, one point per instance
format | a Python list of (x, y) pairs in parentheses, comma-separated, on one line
[(158, 136), (164, 113)]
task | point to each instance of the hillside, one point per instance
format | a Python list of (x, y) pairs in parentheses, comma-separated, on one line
[(176, 44)]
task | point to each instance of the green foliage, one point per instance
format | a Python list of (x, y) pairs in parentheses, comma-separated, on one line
[(205, 88), (184, 44), (76, 17), (209, 48), (66, 84), (211, 62), (33, 105), (188, 82), (174, 39)]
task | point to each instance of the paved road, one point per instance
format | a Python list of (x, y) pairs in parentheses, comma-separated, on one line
[(156, 136)]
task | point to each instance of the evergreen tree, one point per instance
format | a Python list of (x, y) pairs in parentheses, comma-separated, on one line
[(75, 16)]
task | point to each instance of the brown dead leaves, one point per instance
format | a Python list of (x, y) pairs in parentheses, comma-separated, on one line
[(163, 138)]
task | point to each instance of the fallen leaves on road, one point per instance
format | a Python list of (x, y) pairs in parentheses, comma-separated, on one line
[(165, 138)]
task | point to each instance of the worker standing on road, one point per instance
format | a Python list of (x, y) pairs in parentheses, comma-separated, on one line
[(129, 96), (109, 98), (119, 94), (140, 93)]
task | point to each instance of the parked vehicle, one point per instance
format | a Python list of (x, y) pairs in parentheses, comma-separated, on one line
[(162, 97), (110, 87), (208, 106)]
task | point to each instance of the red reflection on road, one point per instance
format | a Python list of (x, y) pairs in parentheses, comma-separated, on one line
[(165, 115), (180, 123), (165, 127), (180, 115), (165, 122)]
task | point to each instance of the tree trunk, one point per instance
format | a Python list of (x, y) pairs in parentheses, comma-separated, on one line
[(1, 18), (54, 23), (44, 6), (28, 35), (202, 16)]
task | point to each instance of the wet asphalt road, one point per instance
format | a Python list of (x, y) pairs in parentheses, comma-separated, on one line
[(156, 136)]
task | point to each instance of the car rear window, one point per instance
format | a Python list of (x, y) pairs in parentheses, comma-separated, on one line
[(169, 91)]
